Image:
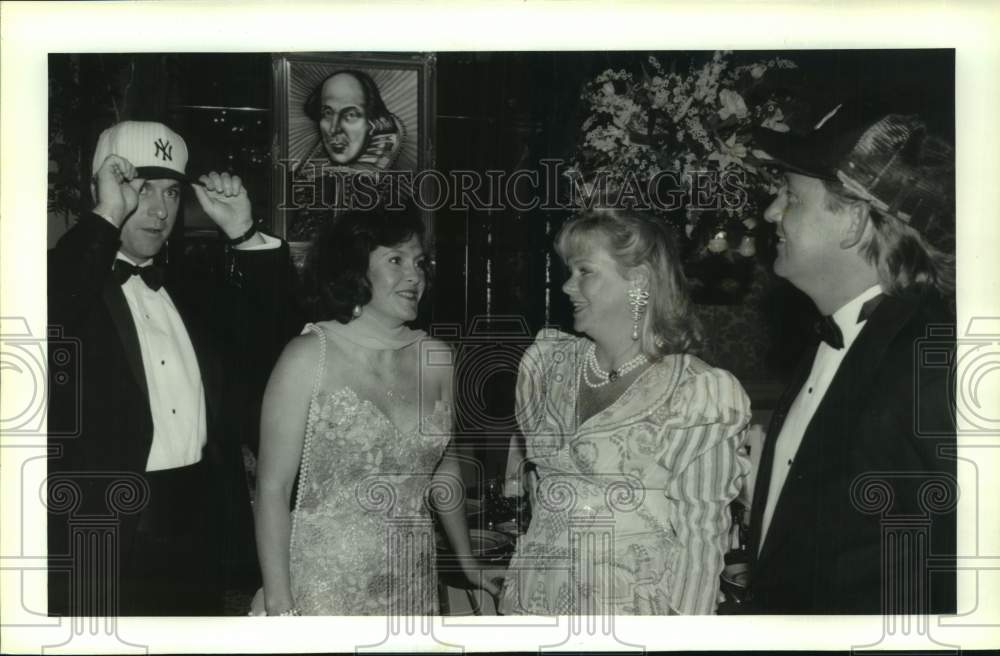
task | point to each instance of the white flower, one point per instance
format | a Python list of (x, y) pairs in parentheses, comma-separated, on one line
[(697, 131), (661, 98), (747, 247), (604, 138), (730, 152), (718, 243), (683, 110), (732, 104), (757, 71), (776, 121), (735, 148), (750, 223), (608, 88), (689, 229)]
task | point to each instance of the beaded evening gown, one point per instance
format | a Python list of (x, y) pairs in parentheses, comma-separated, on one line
[(630, 510), (362, 539)]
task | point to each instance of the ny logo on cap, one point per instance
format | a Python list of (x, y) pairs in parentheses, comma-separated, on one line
[(164, 150)]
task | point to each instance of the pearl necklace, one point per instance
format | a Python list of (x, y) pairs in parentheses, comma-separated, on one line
[(605, 377)]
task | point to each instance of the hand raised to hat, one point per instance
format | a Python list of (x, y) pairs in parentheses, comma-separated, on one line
[(116, 185), (226, 202)]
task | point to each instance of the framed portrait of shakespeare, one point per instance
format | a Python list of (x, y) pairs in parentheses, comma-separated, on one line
[(351, 131)]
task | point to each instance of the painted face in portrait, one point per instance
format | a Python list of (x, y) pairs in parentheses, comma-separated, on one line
[(148, 227), (398, 277), (343, 120)]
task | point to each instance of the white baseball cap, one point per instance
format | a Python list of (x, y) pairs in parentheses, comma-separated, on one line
[(153, 149)]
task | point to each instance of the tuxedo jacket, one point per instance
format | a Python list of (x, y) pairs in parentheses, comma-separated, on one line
[(100, 422), (865, 523)]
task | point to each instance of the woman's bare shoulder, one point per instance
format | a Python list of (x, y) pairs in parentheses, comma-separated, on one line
[(436, 359)]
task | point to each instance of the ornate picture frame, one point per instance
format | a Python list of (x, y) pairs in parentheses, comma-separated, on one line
[(313, 174)]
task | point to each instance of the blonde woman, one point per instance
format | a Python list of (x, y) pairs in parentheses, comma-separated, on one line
[(635, 444)]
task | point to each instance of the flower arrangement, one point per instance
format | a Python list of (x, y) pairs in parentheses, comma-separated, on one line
[(686, 135)]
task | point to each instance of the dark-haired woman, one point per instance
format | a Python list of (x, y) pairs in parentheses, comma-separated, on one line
[(355, 409), (635, 442)]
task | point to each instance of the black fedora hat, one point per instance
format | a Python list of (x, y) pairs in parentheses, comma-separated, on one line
[(889, 160)]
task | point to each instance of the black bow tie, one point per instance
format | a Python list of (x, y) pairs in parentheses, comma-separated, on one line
[(151, 275), (829, 331)]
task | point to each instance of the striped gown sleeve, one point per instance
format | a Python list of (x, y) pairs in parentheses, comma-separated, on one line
[(711, 412)]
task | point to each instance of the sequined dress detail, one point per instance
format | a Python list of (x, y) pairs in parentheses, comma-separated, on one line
[(362, 538)]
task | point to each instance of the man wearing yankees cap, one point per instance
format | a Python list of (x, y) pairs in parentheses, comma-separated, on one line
[(853, 506), (151, 407)]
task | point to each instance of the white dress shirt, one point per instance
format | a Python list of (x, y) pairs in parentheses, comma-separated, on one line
[(176, 396), (173, 378), (801, 412)]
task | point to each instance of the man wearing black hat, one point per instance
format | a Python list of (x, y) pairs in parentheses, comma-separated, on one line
[(853, 509), (147, 498)]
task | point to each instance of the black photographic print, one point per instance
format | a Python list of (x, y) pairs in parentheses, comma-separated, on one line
[(585, 444)]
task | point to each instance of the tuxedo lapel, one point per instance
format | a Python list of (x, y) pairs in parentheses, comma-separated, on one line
[(191, 325), (766, 466), (847, 389), (200, 341), (121, 317)]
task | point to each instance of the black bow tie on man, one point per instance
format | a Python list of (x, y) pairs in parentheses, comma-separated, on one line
[(829, 331), (151, 275)]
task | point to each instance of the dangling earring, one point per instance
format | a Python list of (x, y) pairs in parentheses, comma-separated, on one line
[(637, 300), (357, 311)]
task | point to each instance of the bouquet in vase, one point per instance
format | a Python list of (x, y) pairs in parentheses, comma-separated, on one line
[(675, 138)]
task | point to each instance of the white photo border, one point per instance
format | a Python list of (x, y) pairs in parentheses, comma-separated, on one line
[(32, 30)]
